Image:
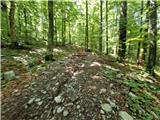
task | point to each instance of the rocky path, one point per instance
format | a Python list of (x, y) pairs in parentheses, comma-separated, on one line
[(70, 89)]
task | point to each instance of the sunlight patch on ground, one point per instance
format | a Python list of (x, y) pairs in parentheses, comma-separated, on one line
[(95, 64), (57, 50), (111, 68), (21, 59), (92, 88), (96, 77)]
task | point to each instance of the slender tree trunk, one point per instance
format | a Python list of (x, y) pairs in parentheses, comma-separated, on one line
[(139, 43), (152, 36), (122, 31), (26, 26), (145, 41), (63, 27), (70, 42), (107, 27), (56, 32), (19, 22), (86, 28), (12, 24), (101, 31), (49, 56), (5, 11)]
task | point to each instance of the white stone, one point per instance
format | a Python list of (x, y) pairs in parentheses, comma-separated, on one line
[(10, 75), (58, 99), (125, 116), (106, 107), (103, 90), (78, 106), (65, 113), (40, 103), (37, 100), (31, 101), (60, 109), (102, 112)]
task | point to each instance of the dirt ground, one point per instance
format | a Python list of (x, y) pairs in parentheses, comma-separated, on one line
[(71, 88)]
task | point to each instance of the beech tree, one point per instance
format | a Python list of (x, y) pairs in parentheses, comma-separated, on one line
[(49, 55), (152, 36), (122, 31), (12, 24)]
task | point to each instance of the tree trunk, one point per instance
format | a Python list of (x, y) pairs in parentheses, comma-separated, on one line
[(5, 11), (145, 41), (12, 25), (86, 28), (107, 27), (101, 31), (139, 43), (122, 31), (63, 27), (26, 31), (152, 36), (56, 32), (19, 22), (49, 56), (70, 42)]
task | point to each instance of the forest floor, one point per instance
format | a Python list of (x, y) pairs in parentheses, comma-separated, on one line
[(77, 86)]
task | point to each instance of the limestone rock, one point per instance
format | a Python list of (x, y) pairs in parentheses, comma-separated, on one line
[(65, 113), (125, 116), (106, 107), (102, 91), (58, 99), (10, 75), (60, 109)]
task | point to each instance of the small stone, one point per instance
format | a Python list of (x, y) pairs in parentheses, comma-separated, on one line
[(65, 113), (111, 103), (60, 109), (155, 115), (106, 107), (37, 100), (102, 112), (58, 99), (40, 103), (26, 106), (31, 101), (132, 94), (54, 78), (10, 75), (103, 117), (69, 104), (78, 106), (17, 94), (44, 92), (112, 93), (125, 116), (102, 91)]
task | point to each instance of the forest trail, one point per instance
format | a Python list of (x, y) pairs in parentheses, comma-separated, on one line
[(73, 88)]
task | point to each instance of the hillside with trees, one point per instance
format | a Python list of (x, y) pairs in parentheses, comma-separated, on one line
[(80, 60)]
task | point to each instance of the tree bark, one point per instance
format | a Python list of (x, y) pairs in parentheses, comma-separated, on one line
[(122, 31), (101, 31), (152, 36), (26, 26), (5, 11), (12, 24), (49, 56), (86, 28), (107, 52), (70, 42), (139, 43)]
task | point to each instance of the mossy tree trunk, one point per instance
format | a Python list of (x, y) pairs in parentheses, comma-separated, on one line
[(12, 24), (122, 31)]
